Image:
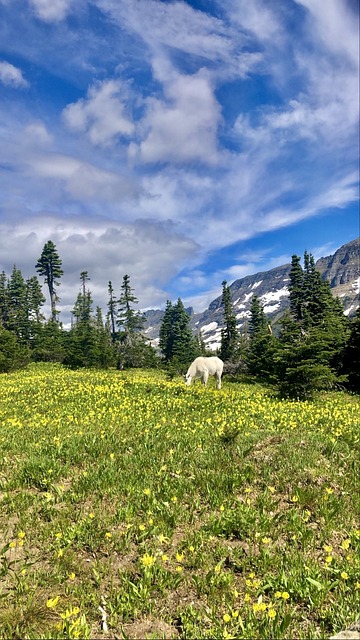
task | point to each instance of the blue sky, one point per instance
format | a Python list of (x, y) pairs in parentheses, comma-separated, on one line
[(181, 142)]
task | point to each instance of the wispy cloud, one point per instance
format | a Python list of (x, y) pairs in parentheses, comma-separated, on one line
[(213, 127), (12, 76), (51, 10)]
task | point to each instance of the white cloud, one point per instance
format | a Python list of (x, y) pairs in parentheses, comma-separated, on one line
[(337, 26), (36, 134), (102, 115), (175, 26), (107, 250), (51, 10), (257, 17), (182, 127), (12, 76)]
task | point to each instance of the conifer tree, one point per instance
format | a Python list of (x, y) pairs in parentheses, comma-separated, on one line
[(313, 338), (229, 333), (35, 300), (13, 356), (262, 344), (166, 333), (112, 311), (132, 348), (81, 344), (129, 320), (18, 321), (3, 300), (49, 265), (296, 289), (351, 362), (177, 343), (258, 323)]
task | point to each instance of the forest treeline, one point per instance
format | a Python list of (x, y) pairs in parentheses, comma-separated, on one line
[(316, 346)]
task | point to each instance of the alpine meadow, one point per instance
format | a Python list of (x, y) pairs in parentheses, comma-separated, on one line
[(179, 320), (134, 506)]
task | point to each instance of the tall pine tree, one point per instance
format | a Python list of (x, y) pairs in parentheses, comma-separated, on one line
[(229, 333), (49, 265)]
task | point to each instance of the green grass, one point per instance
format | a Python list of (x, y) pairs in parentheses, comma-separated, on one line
[(182, 512)]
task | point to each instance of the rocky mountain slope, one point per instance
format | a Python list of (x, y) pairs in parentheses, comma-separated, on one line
[(342, 270)]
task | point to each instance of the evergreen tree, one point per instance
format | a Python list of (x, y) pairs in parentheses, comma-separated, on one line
[(17, 320), (103, 337), (35, 300), (177, 343), (166, 333), (81, 343), (129, 320), (313, 338), (262, 345), (351, 364), (229, 333), (4, 305), (296, 289), (12, 355), (48, 345), (49, 266), (258, 323), (112, 311), (132, 347)]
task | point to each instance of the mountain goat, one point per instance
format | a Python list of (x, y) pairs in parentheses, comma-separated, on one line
[(203, 368)]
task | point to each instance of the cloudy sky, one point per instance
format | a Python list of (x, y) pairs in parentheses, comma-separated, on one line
[(180, 142)]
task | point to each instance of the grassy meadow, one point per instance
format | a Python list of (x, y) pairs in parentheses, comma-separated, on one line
[(132, 506)]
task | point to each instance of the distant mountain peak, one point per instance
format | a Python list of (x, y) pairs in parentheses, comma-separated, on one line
[(341, 269)]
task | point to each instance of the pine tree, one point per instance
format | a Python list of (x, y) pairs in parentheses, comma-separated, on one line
[(262, 345), (177, 343), (49, 266), (129, 320), (112, 311), (166, 333), (35, 300), (296, 289), (258, 323), (48, 345), (229, 333), (313, 338), (133, 349), (18, 321), (351, 363), (12, 355), (4, 304), (81, 344), (104, 342)]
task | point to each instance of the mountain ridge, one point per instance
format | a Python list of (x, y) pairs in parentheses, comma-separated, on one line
[(341, 269)]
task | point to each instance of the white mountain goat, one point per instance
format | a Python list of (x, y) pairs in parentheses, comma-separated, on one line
[(203, 368)]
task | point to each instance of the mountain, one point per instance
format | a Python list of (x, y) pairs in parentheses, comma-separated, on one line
[(341, 270)]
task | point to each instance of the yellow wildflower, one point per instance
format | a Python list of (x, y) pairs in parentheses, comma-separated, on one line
[(52, 602), (147, 560)]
